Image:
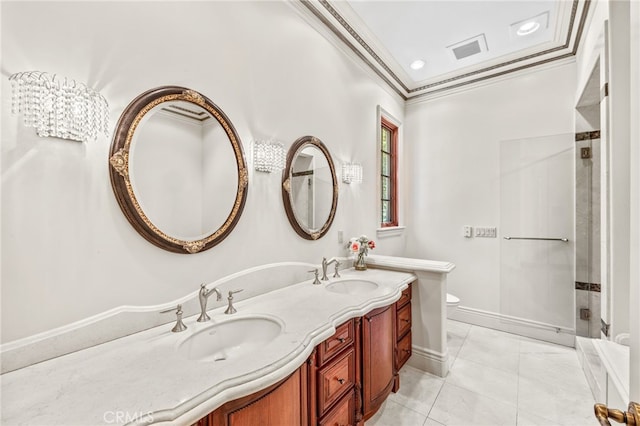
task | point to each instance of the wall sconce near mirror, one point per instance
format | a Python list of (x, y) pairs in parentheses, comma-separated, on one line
[(352, 172), (268, 156), (59, 107)]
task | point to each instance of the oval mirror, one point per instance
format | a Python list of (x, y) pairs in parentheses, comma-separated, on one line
[(310, 188), (178, 169)]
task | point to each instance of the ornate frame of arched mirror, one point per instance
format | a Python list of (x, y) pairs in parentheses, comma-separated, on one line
[(310, 188), (178, 170)]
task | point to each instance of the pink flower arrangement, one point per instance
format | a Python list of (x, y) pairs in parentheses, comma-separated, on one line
[(361, 245)]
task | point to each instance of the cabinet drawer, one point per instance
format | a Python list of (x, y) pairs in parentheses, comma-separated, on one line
[(403, 320), (336, 343), (343, 414), (335, 379), (405, 298), (404, 351)]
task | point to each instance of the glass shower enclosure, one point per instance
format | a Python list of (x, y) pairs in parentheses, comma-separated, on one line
[(537, 177)]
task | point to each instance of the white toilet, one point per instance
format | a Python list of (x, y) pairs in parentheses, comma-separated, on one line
[(452, 304)]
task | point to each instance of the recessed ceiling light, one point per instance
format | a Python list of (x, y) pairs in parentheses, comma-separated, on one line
[(417, 64), (528, 28)]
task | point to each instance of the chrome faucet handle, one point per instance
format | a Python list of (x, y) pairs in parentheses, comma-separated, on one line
[(179, 324), (316, 281), (230, 308), (336, 274)]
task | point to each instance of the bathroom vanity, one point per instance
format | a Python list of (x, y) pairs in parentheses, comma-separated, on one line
[(318, 353), (345, 380)]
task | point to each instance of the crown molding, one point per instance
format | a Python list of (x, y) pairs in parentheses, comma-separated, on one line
[(341, 21)]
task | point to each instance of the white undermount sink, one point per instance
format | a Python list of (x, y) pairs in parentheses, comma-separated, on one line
[(352, 286), (230, 339)]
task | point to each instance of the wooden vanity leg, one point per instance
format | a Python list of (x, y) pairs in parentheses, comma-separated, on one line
[(358, 346)]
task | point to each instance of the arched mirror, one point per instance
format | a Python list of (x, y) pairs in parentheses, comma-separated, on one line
[(178, 169), (310, 188)]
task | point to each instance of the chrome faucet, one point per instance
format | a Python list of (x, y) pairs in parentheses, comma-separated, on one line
[(203, 296), (325, 264)]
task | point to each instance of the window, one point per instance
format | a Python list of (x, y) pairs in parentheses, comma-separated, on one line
[(388, 173)]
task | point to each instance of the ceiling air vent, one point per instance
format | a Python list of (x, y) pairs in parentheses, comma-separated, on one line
[(469, 47)]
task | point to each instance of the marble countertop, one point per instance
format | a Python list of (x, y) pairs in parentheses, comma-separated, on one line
[(409, 264), (142, 378)]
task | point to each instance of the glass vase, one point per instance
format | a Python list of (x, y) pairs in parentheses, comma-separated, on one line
[(359, 263)]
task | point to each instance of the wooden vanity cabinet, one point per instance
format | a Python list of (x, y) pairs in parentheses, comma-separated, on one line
[(284, 403)]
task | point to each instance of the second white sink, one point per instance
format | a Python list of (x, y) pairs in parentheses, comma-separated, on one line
[(352, 286), (230, 339)]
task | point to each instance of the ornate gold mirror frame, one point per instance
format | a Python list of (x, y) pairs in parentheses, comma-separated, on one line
[(295, 149), (119, 169)]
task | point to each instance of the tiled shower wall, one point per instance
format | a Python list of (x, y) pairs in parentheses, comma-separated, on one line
[(588, 234)]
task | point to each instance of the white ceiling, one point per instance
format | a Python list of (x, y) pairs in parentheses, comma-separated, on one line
[(389, 35)]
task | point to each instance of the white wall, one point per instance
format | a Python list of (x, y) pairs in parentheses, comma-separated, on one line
[(634, 252), (452, 150), (67, 250)]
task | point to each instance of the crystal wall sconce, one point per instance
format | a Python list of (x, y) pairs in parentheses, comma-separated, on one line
[(352, 172), (268, 156), (58, 107)]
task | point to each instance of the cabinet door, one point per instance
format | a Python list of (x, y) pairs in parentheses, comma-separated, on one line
[(378, 341), (343, 414), (404, 351), (335, 379), (343, 338), (403, 320), (281, 404)]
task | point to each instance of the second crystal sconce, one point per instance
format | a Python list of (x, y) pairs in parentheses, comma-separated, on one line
[(268, 156), (352, 172)]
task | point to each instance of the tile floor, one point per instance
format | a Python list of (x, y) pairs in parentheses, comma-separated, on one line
[(495, 378)]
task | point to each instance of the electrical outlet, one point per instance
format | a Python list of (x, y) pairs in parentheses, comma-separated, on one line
[(340, 237), (467, 231)]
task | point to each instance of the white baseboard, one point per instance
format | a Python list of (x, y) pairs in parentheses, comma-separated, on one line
[(521, 326), (430, 361)]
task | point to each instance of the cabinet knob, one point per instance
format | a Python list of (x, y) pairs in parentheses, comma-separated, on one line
[(341, 381), (406, 320), (341, 339)]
